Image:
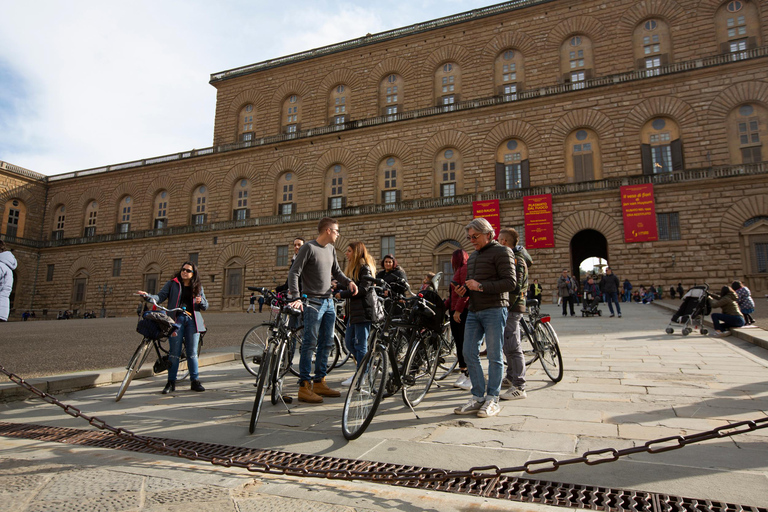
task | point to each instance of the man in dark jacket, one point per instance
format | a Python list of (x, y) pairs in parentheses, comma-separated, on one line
[(513, 350), (490, 276), (610, 288)]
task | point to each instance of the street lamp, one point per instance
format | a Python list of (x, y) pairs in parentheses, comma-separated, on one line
[(104, 290)]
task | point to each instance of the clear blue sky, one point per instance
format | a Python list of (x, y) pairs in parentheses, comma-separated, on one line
[(90, 83)]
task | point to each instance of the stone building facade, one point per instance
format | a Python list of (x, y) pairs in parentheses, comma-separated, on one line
[(397, 133)]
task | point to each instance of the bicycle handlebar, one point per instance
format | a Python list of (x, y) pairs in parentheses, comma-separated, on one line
[(151, 299)]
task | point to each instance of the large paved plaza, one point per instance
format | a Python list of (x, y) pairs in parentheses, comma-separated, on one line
[(626, 382)]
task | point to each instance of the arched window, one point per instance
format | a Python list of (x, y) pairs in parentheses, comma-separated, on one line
[(447, 84), (737, 26), (91, 215), (662, 149), (15, 218), (151, 278), (286, 190), (576, 60), (245, 123), (754, 249), (234, 274), (582, 156), (160, 210), (449, 175), (652, 45), (512, 167), (59, 218), (509, 72), (747, 129), (79, 288), (339, 104), (441, 262), (199, 205), (240, 207), (336, 187), (390, 180), (124, 214), (291, 114), (391, 95)]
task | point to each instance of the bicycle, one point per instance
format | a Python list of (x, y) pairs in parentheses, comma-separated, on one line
[(142, 352), (544, 344), (380, 371), (274, 363), (255, 340)]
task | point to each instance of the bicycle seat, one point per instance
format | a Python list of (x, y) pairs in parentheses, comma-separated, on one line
[(532, 303)]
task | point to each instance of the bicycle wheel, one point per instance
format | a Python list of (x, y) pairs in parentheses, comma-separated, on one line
[(448, 359), (137, 359), (345, 354), (297, 337), (333, 353), (364, 394), (253, 346), (265, 372), (526, 342), (550, 356), (280, 369), (420, 367)]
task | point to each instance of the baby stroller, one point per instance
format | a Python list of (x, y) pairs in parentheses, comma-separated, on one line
[(692, 311), (590, 305)]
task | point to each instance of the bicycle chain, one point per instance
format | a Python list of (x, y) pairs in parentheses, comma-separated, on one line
[(532, 467)]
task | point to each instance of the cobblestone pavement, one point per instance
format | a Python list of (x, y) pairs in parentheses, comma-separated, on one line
[(626, 382)]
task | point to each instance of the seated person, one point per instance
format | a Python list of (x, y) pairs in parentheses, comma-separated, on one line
[(648, 296), (731, 315), (636, 296), (591, 294), (672, 292)]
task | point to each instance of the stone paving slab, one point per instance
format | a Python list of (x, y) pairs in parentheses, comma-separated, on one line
[(624, 384)]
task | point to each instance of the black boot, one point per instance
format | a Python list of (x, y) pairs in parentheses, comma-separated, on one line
[(196, 386), (169, 387)]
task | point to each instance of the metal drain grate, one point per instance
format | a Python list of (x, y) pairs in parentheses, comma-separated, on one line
[(503, 487)]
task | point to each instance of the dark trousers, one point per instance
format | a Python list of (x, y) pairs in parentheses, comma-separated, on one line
[(568, 300), (457, 329)]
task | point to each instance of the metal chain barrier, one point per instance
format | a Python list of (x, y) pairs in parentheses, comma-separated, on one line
[(289, 464)]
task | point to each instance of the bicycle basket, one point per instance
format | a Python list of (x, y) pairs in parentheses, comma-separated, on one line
[(424, 319), (155, 325)]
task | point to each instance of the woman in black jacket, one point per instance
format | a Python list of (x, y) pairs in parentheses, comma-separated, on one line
[(184, 290), (391, 271), (360, 307)]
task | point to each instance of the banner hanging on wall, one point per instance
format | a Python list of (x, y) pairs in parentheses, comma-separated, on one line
[(539, 230), (639, 211), (489, 210)]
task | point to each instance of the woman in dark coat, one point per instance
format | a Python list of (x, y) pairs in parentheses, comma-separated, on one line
[(391, 271)]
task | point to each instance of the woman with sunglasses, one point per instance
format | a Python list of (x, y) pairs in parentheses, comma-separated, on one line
[(184, 290)]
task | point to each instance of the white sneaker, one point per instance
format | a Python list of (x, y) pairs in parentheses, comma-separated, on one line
[(463, 382), (489, 408), (514, 394), (471, 407), (506, 383), (348, 382)]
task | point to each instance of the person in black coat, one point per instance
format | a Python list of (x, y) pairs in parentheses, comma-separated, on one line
[(391, 271)]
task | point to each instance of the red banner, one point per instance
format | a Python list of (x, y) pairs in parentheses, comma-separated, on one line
[(539, 230), (489, 210), (639, 211)]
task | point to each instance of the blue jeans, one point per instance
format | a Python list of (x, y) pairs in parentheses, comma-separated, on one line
[(722, 321), (613, 297), (489, 323), (356, 340), (319, 318), (186, 333)]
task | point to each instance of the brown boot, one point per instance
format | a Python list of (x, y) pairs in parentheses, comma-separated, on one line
[(307, 395), (322, 389)]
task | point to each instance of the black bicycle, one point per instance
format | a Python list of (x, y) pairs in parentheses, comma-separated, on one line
[(420, 328), (543, 344), (156, 340)]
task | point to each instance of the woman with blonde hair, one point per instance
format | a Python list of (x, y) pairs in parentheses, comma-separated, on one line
[(360, 307)]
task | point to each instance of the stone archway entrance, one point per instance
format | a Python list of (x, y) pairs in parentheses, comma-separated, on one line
[(587, 243)]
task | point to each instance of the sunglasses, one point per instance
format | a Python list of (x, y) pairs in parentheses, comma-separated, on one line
[(474, 237), (188, 270)]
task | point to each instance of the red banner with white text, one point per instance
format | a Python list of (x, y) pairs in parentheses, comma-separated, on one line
[(489, 210), (638, 208), (539, 230)]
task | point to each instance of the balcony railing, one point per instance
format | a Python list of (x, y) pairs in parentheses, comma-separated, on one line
[(643, 74), (559, 189)]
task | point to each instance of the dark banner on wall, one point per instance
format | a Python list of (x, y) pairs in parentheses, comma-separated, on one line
[(489, 210), (539, 230), (639, 211)]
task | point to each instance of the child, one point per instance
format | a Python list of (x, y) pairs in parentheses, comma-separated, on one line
[(427, 281), (746, 304)]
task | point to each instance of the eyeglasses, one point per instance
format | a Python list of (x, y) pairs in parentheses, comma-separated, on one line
[(474, 237), (188, 270), (335, 231)]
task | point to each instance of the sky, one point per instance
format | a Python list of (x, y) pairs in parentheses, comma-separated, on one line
[(84, 84)]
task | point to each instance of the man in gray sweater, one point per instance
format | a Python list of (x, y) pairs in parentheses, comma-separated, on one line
[(317, 265)]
